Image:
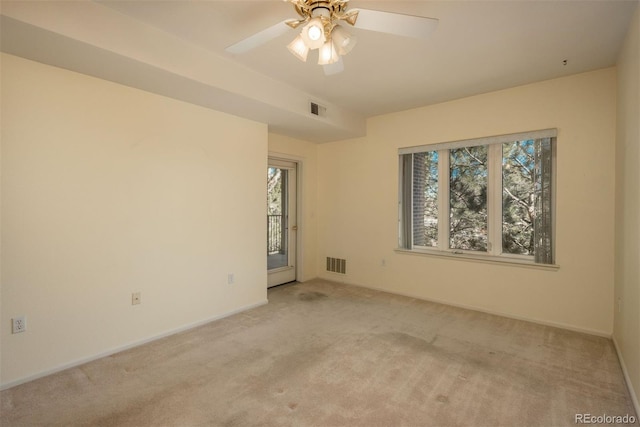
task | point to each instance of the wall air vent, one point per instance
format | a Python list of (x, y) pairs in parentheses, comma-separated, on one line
[(337, 265), (317, 109)]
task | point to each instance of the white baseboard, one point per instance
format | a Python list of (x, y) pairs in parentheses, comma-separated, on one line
[(627, 378), (128, 346), (560, 325)]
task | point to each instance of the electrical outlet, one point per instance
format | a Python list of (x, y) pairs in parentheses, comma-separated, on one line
[(135, 298), (18, 324), (231, 279)]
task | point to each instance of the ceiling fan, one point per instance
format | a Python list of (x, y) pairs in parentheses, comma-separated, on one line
[(320, 21)]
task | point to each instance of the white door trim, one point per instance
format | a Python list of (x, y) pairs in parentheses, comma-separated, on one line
[(284, 160)]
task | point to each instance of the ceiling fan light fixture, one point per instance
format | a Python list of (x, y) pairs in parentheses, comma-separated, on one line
[(295, 23), (328, 54), (343, 41), (335, 68), (322, 26), (313, 34), (351, 17), (299, 49)]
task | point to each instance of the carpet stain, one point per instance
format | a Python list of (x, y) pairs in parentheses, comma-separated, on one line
[(234, 421), (411, 341), (292, 406), (282, 366), (442, 398), (311, 296)]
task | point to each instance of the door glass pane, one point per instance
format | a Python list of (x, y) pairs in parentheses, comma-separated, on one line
[(468, 198), (277, 254)]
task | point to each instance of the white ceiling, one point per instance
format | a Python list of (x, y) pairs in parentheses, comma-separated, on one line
[(478, 46)]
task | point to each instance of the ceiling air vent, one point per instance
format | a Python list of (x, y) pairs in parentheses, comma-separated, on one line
[(317, 109)]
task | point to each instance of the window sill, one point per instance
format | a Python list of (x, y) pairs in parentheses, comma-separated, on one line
[(486, 259)]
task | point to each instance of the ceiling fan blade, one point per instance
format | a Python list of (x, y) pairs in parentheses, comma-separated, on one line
[(335, 68), (259, 38), (396, 23)]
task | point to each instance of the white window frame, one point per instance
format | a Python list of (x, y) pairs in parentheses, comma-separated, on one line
[(494, 251)]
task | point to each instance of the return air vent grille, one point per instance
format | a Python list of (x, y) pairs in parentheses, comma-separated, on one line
[(337, 265)]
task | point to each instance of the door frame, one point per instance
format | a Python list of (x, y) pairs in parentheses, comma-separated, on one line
[(299, 208)]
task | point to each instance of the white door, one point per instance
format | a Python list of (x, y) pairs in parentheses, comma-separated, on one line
[(281, 222)]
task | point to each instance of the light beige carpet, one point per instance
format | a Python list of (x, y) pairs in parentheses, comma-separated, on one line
[(326, 354)]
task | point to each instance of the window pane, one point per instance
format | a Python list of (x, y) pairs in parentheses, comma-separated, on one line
[(543, 224), (425, 199), (518, 197), (468, 198)]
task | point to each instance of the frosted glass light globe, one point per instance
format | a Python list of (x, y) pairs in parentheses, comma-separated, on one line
[(314, 32)]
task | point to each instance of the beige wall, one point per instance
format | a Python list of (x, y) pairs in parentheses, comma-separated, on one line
[(109, 190), (627, 268), (358, 203), (306, 154)]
